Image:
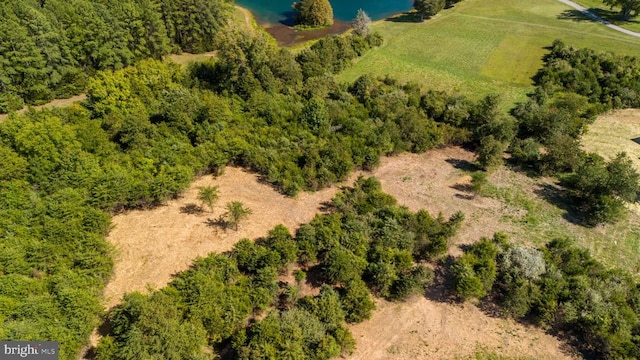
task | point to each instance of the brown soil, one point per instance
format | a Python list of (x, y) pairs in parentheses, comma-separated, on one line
[(436, 181), (424, 329), (154, 244), (288, 36)]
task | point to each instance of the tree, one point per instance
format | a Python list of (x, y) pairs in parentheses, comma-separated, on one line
[(356, 301), (362, 23), (208, 195), (314, 13), (490, 152), (428, 8), (628, 8), (236, 211)]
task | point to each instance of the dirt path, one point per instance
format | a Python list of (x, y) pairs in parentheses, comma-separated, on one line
[(154, 244), (49, 105), (595, 17)]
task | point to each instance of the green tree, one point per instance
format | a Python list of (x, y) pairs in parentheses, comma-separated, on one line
[(314, 13), (208, 195), (362, 23), (428, 8), (475, 271), (236, 211), (356, 301), (490, 152), (628, 8)]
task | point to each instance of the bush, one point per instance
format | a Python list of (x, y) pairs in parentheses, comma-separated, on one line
[(475, 271)]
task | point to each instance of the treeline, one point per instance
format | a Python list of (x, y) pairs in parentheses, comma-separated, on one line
[(50, 48), (573, 87), (234, 303), (559, 287)]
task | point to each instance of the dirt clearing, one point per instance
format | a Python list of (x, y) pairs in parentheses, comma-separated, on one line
[(154, 244)]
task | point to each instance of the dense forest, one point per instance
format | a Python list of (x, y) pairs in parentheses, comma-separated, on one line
[(148, 127), (51, 48), (146, 131)]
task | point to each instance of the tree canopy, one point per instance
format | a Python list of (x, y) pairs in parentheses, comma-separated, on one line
[(313, 13), (49, 49), (628, 8)]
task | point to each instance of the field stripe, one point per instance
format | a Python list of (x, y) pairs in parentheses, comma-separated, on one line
[(545, 27)]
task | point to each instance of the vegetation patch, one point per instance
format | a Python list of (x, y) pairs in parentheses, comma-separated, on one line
[(456, 47)]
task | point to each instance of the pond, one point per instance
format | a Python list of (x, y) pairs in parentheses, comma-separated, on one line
[(272, 12)]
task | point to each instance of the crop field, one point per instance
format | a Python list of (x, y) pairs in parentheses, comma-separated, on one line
[(480, 47)]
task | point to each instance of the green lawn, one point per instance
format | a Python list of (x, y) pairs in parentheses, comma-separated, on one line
[(605, 12), (483, 46)]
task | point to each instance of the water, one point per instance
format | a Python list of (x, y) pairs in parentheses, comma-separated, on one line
[(279, 11)]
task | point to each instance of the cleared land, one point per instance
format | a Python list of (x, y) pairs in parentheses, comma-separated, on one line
[(482, 46), (154, 244)]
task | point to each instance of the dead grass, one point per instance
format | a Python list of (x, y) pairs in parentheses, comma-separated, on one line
[(157, 243), (424, 329), (154, 244), (613, 133)]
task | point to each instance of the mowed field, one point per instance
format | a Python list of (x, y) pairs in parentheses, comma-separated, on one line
[(482, 46), (611, 15)]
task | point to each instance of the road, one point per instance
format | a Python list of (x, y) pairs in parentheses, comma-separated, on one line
[(594, 17)]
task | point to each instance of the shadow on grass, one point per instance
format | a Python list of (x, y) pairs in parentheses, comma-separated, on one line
[(191, 209), (219, 223), (559, 197), (592, 15), (103, 330), (463, 165), (408, 17), (315, 277)]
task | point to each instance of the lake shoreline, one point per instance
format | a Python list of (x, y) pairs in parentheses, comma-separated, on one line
[(288, 36), (282, 30)]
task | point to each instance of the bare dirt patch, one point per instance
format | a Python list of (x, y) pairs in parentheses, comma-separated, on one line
[(423, 329), (154, 244), (436, 181)]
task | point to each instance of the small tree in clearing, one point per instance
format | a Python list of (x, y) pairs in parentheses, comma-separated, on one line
[(236, 211), (362, 23), (208, 195)]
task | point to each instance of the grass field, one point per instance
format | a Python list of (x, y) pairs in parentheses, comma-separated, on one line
[(615, 132), (605, 12), (538, 211), (482, 46)]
